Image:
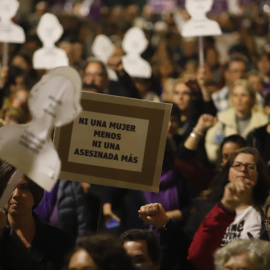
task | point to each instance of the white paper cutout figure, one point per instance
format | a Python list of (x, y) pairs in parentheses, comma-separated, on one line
[(199, 24), (53, 101), (103, 48), (9, 31), (134, 43), (49, 31)]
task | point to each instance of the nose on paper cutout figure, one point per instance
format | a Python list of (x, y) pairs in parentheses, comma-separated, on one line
[(199, 24), (54, 101), (103, 48), (49, 31), (9, 31), (134, 43)]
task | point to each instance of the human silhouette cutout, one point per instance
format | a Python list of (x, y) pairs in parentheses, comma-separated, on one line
[(49, 31), (134, 43), (199, 24), (103, 48), (54, 101), (9, 31)]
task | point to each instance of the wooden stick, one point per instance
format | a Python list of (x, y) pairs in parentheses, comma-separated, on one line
[(201, 54), (5, 55)]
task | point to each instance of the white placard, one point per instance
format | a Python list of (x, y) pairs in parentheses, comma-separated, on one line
[(53, 101), (115, 141), (199, 24), (103, 48), (111, 140), (9, 31), (49, 31), (134, 43)]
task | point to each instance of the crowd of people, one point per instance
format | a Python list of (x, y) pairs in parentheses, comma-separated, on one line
[(212, 209)]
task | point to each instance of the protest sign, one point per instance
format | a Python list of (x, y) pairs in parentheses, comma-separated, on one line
[(103, 48), (53, 101), (134, 44), (115, 141), (9, 31), (199, 24), (49, 31)]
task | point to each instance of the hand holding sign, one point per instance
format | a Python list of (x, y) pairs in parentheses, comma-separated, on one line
[(199, 25), (49, 56), (54, 101)]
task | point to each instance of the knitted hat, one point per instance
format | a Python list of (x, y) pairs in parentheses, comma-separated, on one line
[(6, 171)]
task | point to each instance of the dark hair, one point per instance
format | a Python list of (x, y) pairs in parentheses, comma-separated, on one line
[(175, 111), (237, 58), (267, 100), (6, 171), (238, 49), (152, 242), (25, 56), (260, 190), (235, 138), (107, 252), (96, 60)]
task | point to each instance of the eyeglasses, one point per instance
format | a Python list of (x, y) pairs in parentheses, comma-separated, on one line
[(248, 166), (267, 224), (95, 75)]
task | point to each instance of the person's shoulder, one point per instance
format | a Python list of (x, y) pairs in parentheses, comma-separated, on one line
[(260, 130), (54, 233), (227, 113)]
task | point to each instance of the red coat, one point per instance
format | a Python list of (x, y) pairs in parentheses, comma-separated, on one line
[(209, 236)]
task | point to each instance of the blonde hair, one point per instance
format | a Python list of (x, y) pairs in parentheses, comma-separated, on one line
[(248, 87)]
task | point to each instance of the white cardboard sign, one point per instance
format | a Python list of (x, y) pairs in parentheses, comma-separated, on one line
[(134, 43), (49, 31), (199, 24), (9, 31), (53, 101), (103, 48), (115, 141)]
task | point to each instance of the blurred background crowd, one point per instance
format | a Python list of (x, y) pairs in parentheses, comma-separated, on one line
[(218, 107)]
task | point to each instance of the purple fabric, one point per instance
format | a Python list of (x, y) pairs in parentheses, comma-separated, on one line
[(54, 216), (181, 3), (161, 5), (219, 7), (46, 206), (266, 89), (95, 10), (167, 195)]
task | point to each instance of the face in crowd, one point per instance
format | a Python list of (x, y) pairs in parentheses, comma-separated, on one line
[(95, 76), (138, 252), (181, 96)]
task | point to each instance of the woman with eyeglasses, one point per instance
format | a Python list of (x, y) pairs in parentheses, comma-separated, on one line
[(238, 193)]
